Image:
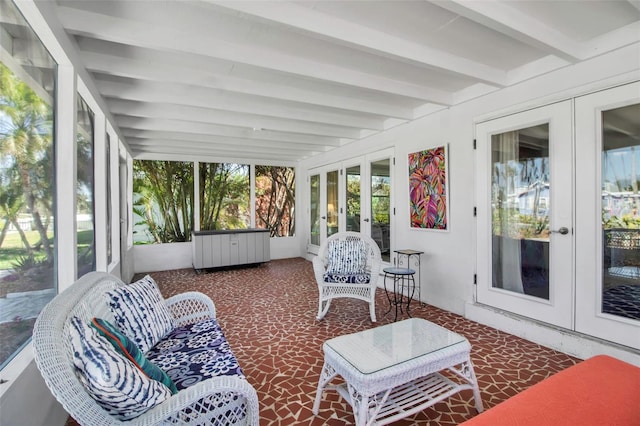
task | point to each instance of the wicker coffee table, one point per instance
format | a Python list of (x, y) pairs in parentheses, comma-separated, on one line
[(394, 371)]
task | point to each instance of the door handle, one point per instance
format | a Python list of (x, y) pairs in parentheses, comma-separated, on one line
[(323, 217), (366, 219), (563, 231)]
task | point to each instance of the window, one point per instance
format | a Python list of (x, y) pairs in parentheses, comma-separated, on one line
[(107, 140), (162, 201), (224, 196), (27, 215), (314, 209), (85, 214), (275, 200)]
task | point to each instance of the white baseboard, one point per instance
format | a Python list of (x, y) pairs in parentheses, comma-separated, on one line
[(566, 341)]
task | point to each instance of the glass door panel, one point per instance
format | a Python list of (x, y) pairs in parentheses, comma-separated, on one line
[(353, 192), (380, 203), (620, 290), (525, 212), (314, 209), (333, 207), (520, 210), (608, 226)]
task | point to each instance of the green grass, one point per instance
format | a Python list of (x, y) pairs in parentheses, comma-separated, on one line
[(12, 248)]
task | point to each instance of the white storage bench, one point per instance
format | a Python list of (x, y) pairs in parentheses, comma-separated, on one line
[(215, 249)]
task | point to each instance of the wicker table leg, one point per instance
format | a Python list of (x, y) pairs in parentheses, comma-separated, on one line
[(328, 373)]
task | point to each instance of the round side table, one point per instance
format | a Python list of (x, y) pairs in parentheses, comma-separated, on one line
[(403, 279)]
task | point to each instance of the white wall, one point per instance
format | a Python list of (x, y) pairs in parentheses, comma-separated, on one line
[(28, 402), (449, 261)]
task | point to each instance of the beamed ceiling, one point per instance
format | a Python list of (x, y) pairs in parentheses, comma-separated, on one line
[(285, 80)]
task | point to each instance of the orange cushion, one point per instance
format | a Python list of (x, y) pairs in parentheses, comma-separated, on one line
[(599, 391)]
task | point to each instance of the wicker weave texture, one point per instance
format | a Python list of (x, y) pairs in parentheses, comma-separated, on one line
[(327, 291), (217, 401), (400, 390)]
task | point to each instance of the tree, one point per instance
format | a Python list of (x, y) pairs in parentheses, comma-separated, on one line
[(25, 139), (11, 203), (275, 200), (224, 196), (163, 198)]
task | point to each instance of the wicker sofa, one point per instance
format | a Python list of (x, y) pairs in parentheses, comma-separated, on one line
[(214, 399)]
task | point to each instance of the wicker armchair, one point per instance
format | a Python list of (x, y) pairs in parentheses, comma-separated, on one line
[(218, 400), (329, 289)]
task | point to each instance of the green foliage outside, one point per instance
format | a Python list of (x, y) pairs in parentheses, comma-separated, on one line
[(628, 221), (162, 201), (275, 200), (508, 222), (224, 196), (26, 162), (380, 201), (13, 250)]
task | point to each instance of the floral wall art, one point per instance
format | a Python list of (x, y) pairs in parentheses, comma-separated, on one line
[(429, 188)]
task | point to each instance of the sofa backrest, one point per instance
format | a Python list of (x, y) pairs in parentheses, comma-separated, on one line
[(51, 345)]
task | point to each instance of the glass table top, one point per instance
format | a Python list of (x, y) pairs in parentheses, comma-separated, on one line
[(388, 345)]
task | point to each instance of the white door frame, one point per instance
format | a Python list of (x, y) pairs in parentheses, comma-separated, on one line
[(589, 268), (558, 310)]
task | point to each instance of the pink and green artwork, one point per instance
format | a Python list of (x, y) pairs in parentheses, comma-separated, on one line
[(428, 188)]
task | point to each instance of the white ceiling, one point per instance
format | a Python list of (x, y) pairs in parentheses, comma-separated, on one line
[(284, 80)]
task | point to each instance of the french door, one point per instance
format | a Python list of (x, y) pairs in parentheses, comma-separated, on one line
[(558, 221), (354, 195), (524, 214), (367, 198), (324, 207), (608, 223)]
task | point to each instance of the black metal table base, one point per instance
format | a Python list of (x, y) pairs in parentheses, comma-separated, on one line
[(403, 278)]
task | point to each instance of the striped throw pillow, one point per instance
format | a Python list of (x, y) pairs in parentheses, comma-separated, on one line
[(113, 381), (347, 257), (140, 312)]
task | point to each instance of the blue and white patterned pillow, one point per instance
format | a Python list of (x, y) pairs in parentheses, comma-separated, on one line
[(347, 257), (113, 381), (139, 312)]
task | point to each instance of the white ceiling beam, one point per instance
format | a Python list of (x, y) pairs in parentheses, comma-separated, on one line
[(620, 37), (188, 153), (212, 129), (242, 143), (226, 118), (212, 147), (366, 38), (17, 68), (184, 94), (535, 68), (8, 15), (508, 20), (149, 69), (171, 37)]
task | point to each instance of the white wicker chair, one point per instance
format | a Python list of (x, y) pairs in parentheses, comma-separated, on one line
[(232, 398), (331, 290)]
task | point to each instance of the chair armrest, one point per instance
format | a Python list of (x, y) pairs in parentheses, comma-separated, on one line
[(191, 307), (376, 269), (217, 400), (318, 268)]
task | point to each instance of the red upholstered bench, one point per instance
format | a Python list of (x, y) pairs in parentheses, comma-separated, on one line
[(599, 391)]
